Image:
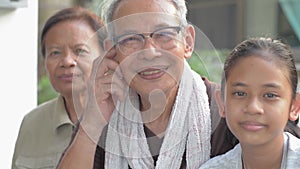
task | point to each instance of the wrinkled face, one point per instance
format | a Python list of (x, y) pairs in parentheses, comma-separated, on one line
[(258, 98), (69, 52), (150, 45)]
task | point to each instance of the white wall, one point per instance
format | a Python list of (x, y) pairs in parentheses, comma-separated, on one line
[(18, 72)]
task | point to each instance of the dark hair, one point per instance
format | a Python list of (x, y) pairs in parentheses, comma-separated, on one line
[(71, 14), (258, 46)]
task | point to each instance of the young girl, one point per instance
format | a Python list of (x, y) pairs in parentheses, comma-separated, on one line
[(257, 98)]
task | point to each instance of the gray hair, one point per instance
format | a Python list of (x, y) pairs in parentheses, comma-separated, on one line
[(109, 6)]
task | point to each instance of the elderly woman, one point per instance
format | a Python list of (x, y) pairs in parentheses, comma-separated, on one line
[(161, 117), (68, 47)]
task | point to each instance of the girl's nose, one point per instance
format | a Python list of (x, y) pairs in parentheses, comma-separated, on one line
[(254, 106)]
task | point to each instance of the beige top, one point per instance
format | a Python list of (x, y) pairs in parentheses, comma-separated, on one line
[(44, 134)]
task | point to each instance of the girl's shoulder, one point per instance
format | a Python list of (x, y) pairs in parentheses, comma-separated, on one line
[(229, 160), (294, 143), (293, 154)]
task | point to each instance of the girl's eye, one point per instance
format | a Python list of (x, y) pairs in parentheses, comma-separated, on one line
[(270, 95), (239, 94)]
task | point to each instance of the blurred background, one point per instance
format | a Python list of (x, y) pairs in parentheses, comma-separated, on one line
[(224, 22), (24, 82)]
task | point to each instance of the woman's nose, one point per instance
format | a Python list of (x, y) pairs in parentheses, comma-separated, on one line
[(69, 59)]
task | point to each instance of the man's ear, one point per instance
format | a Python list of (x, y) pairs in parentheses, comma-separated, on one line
[(295, 109), (189, 36), (220, 103), (108, 44)]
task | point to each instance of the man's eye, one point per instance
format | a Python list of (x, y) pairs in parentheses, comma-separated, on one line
[(165, 33), (165, 36), (130, 40)]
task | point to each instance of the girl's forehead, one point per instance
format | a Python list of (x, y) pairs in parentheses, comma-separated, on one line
[(260, 55), (258, 69)]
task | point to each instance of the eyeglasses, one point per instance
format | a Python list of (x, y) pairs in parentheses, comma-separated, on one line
[(165, 38)]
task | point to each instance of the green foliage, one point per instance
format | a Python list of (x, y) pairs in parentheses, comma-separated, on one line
[(209, 63), (45, 90)]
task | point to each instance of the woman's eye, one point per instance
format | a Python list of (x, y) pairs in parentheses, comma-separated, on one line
[(81, 51), (54, 53)]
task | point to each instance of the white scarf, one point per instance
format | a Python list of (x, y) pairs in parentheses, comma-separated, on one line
[(189, 129)]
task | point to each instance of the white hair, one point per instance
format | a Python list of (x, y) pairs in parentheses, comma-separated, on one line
[(109, 6)]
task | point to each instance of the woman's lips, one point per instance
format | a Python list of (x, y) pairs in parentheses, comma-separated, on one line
[(252, 126), (68, 77)]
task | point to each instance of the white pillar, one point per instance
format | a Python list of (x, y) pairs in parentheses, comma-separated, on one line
[(18, 72)]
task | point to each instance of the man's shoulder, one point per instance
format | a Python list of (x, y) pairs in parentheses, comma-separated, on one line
[(211, 87), (210, 84)]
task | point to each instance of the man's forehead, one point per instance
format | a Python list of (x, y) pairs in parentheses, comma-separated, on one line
[(144, 21), (131, 7)]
